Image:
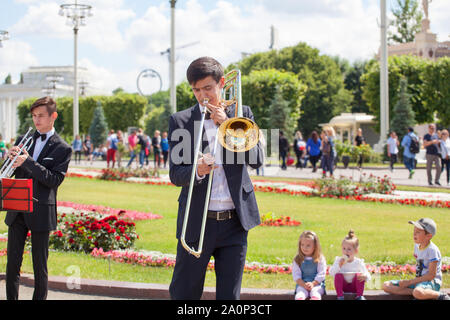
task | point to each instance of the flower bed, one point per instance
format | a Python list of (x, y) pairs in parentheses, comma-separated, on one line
[(269, 219), (122, 213), (161, 260), (305, 189), (344, 186), (84, 232)]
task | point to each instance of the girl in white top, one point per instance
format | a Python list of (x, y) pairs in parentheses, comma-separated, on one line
[(349, 272), (309, 268)]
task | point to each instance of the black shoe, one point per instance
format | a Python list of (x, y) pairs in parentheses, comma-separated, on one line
[(437, 183), (430, 183)]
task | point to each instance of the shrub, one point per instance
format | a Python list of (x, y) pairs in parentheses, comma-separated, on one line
[(347, 187), (84, 232)]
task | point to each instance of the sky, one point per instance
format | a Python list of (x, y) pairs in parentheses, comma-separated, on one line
[(124, 37)]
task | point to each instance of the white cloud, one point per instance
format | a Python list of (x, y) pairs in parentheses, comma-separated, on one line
[(101, 30), (223, 29), (15, 57)]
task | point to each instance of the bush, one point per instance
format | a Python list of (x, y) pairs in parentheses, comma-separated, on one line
[(124, 173), (344, 186), (84, 232)]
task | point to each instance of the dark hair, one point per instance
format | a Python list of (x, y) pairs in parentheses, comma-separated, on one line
[(410, 129), (202, 68), (47, 102), (314, 136), (352, 239)]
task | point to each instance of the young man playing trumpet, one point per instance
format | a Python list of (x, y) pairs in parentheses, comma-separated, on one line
[(232, 209), (46, 163)]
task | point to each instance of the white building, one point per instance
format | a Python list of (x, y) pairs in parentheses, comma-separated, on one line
[(36, 82)]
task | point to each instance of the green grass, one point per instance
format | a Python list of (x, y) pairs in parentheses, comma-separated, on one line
[(382, 229)]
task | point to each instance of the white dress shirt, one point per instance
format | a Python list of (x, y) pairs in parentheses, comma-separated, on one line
[(40, 144), (220, 198)]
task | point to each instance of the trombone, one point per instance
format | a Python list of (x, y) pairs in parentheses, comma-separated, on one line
[(25, 143), (237, 134)]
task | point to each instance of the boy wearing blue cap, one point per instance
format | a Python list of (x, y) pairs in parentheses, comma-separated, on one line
[(428, 279)]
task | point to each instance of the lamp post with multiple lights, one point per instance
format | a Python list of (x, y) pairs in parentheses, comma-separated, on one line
[(4, 35), (76, 17)]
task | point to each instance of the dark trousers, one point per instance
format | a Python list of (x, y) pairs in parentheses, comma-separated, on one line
[(299, 159), (227, 242), (446, 166), (393, 160), (327, 164), (314, 160), (283, 155), (17, 234)]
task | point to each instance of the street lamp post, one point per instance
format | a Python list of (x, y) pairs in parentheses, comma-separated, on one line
[(52, 79), (76, 17), (4, 35), (173, 91), (384, 84)]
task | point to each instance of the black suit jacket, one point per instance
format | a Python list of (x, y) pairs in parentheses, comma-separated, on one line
[(182, 143), (47, 173)]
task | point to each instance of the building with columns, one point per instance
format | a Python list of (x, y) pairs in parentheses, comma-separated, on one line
[(56, 81)]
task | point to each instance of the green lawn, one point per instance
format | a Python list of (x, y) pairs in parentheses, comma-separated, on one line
[(382, 229)]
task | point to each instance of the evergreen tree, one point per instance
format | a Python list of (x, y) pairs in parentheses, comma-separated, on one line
[(407, 21), (403, 116), (98, 129), (280, 109), (8, 79)]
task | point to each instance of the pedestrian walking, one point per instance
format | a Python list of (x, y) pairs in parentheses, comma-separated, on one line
[(432, 143)]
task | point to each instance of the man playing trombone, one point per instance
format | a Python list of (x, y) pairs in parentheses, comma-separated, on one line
[(46, 162), (231, 208)]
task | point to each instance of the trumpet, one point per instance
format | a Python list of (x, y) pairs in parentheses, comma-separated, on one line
[(7, 169), (237, 134)]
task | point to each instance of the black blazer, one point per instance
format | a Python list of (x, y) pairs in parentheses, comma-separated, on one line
[(47, 173), (180, 168)]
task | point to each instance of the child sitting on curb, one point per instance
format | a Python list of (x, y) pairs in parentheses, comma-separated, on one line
[(350, 273), (428, 279), (309, 268)]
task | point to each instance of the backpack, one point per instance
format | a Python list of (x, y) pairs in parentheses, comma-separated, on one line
[(414, 146)]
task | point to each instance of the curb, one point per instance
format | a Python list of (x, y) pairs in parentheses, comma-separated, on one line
[(136, 290)]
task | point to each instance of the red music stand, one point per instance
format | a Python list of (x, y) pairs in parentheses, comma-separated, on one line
[(16, 195)]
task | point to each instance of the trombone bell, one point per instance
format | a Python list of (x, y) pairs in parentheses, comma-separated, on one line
[(238, 134)]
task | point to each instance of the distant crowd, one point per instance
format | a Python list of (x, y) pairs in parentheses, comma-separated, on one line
[(322, 148), (319, 150), (139, 146)]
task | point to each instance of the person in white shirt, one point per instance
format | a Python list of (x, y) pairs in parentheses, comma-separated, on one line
[(309, 268), (445, 153), (349, 272), (392, 149)]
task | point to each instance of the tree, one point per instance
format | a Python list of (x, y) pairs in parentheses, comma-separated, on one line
[(325, 96), (436, 90), (99, 128), (185, 96), (352, 80), (261, 86), (118, 90), (407, 21), (403, 116), (124, 110), (405, 66), (8, 79), (280, 111)]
